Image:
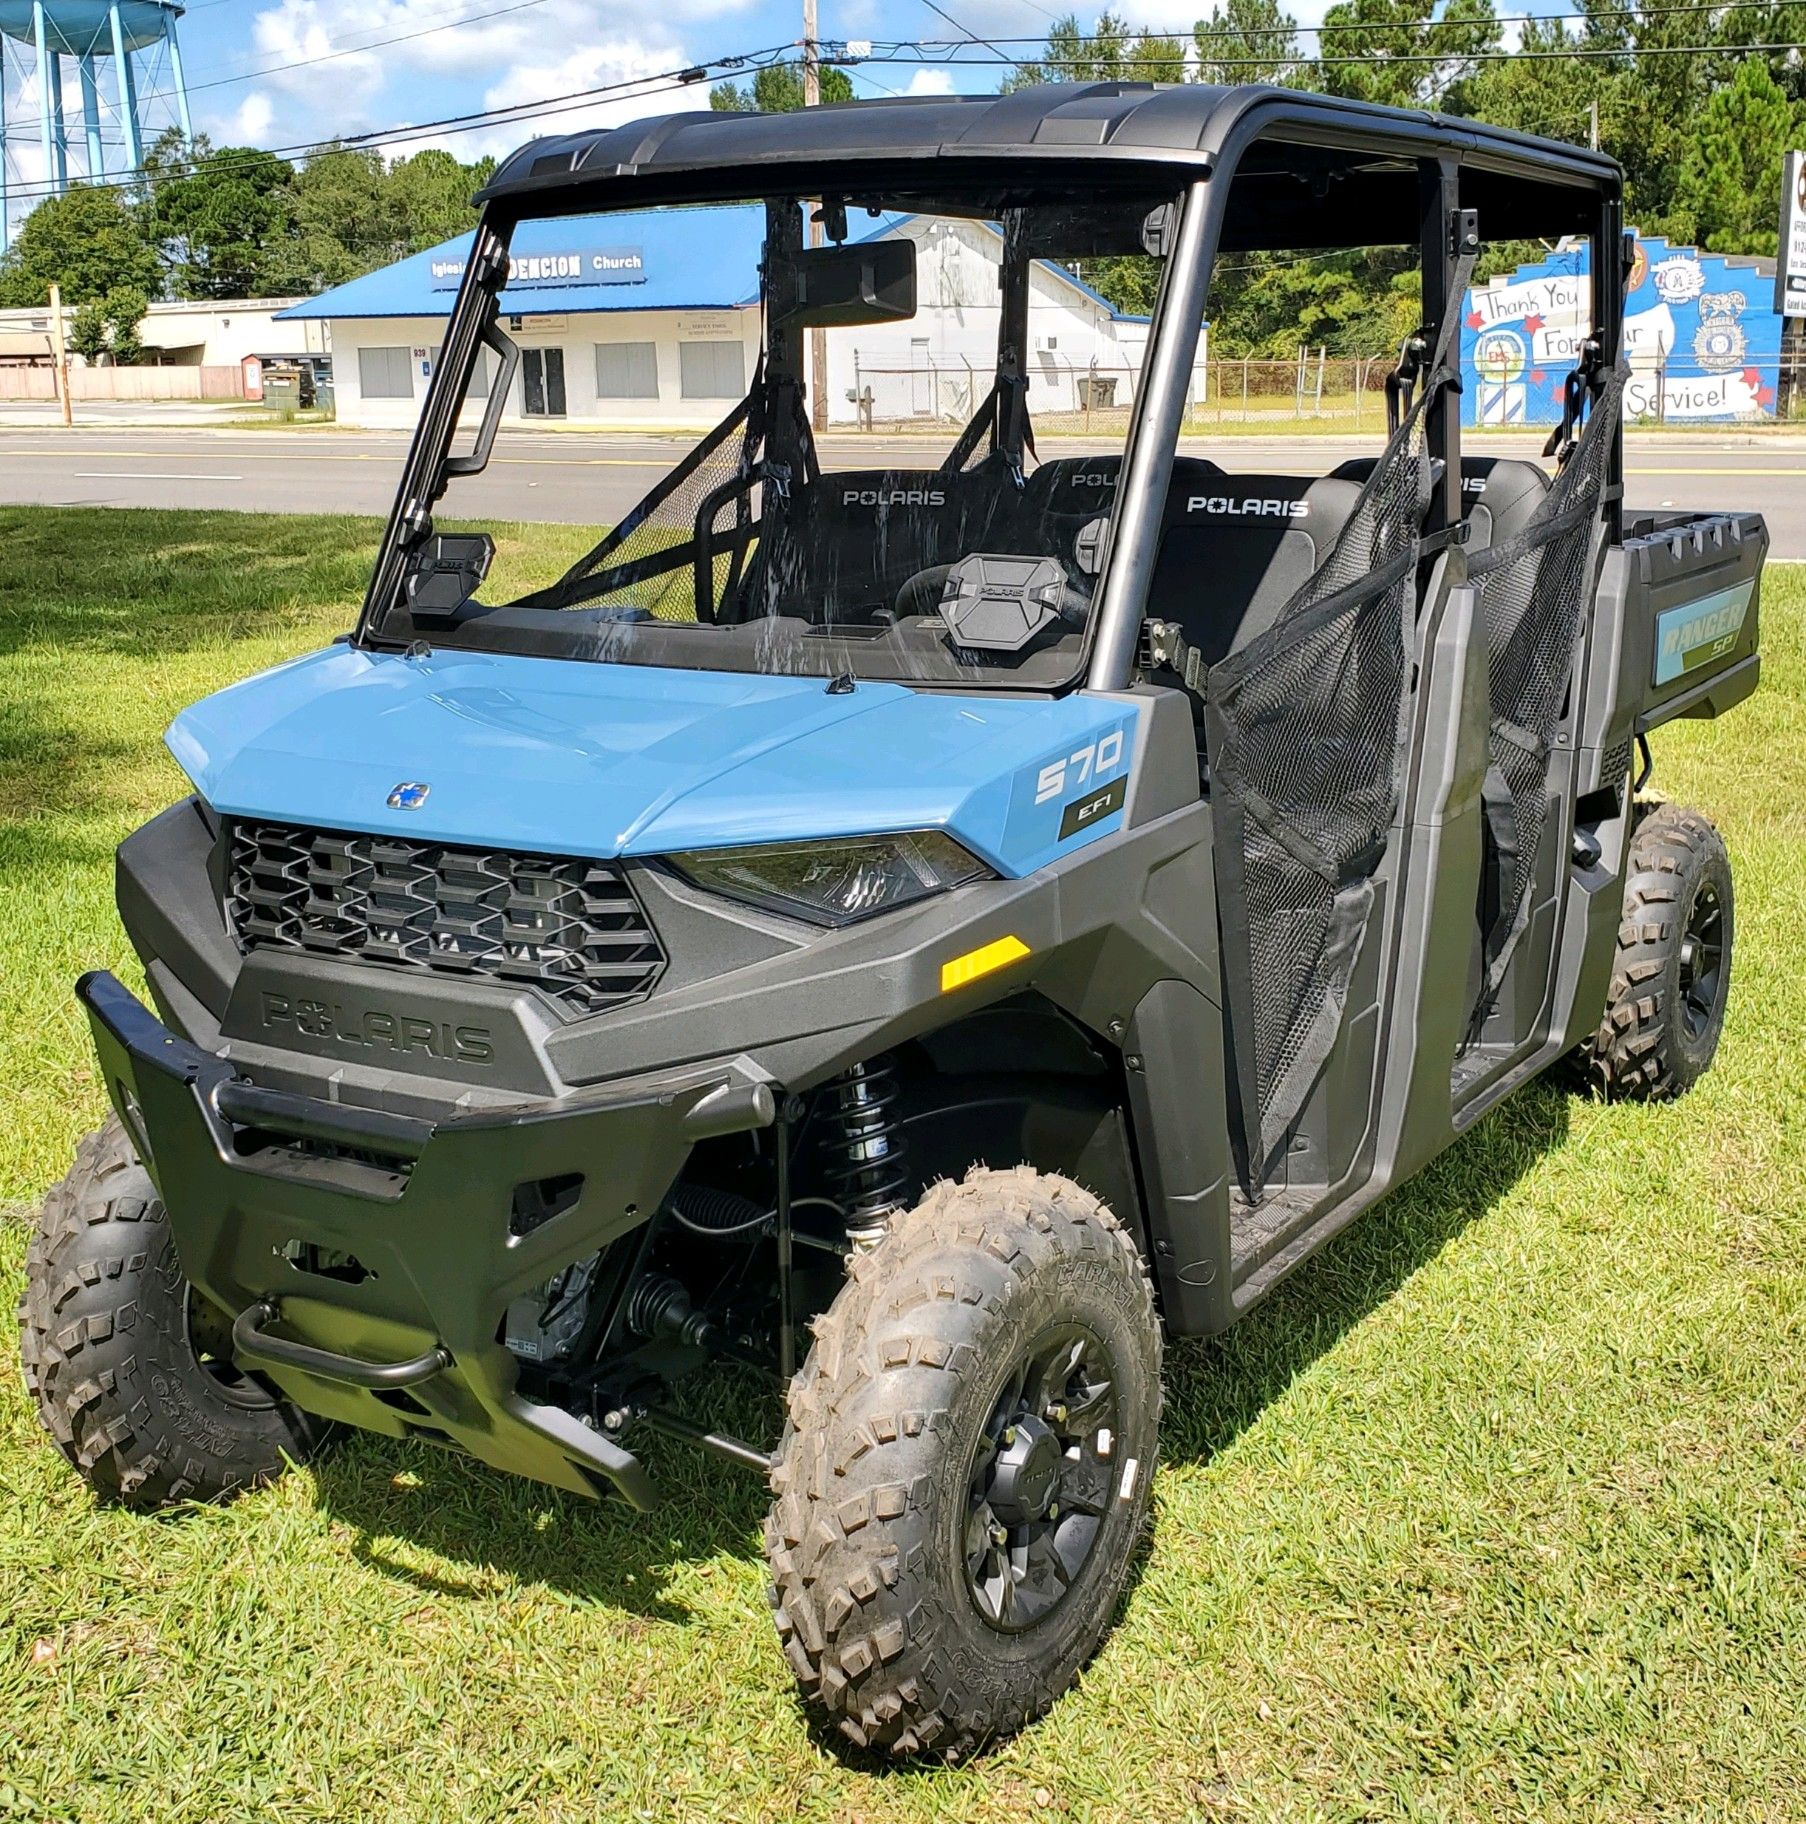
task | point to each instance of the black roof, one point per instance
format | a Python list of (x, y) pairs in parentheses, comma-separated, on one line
[(1176, 130)]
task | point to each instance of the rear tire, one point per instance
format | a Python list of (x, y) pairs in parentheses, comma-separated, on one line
[(130, 1367), (1671, 977), (964, 1477)]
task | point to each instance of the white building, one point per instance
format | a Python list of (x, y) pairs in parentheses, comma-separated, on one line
[(652, 320), (217, 332)]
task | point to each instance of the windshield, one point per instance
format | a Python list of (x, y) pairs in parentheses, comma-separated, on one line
[(871, 437)]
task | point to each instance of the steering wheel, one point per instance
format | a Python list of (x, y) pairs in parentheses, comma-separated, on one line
[(922, 593)]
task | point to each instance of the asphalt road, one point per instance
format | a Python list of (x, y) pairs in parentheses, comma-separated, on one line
[(581, 478)]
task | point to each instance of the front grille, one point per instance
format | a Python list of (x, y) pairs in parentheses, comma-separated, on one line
[(568, 926)]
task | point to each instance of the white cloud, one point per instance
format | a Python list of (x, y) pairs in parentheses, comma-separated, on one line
[(930, 82), (251, 124), (343, 79), (615, 60)]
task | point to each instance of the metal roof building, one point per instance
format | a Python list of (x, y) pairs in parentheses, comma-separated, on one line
[(659, 259), (651, 318)]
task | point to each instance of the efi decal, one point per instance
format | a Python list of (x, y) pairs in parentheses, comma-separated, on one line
[(1700, 334)]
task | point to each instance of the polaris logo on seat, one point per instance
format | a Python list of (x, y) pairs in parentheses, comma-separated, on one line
[(1230, 507), (892, 497)]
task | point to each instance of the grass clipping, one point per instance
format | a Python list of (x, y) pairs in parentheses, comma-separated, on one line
[(1496, 1511)]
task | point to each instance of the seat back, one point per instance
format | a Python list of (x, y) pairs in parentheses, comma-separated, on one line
[(1498, 494), (863, 533), (1504, 494), (1236, 548)]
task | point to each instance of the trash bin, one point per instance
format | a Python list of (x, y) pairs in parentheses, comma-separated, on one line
[(1097, 392), (282, 390)]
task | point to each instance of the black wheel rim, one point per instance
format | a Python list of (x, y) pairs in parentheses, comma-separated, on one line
[(210, 1337), (1041, 1476), (1702, 960)]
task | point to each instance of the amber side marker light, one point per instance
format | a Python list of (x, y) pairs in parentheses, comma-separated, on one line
[(982, 961)]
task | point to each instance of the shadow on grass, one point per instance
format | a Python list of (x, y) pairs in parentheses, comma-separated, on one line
[(605, 1554), (405, 1498)]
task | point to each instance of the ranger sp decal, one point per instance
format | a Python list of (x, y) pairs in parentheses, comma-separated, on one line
[(1698, 632)]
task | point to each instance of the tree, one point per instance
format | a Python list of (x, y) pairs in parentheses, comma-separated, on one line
[(109, 326), (344, 222), (1359, 302), (1247, 41), (221, 218), (430, 194), (1109, 52), (1729, 190), (777, 88), (1395, 52), (88, 240)]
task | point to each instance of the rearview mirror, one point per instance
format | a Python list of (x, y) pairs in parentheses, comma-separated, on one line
[(835, 287)]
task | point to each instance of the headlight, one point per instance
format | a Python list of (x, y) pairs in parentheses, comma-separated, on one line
[(835, 882)]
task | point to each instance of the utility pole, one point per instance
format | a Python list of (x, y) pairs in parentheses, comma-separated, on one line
[(1593, 123), (818, 337), (59, 352)]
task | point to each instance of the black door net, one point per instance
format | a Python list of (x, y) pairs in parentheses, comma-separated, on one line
[(1306, 729), (1533, 591)]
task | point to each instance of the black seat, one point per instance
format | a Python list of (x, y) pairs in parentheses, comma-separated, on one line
[(863, 533), (1504, 494), (1236, 548), (1498, 494), (866, 533)]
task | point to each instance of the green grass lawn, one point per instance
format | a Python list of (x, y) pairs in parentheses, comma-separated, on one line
[(1496, 1511)]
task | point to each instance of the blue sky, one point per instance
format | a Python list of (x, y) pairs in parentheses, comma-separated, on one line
[(288, 73), (234, 50)]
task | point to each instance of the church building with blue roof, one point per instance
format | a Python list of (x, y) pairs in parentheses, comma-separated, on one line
[(651, 319)]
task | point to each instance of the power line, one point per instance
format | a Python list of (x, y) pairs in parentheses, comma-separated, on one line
[(661, 82), (1200, 33), (931, 50), (970, 34), (886, 51)]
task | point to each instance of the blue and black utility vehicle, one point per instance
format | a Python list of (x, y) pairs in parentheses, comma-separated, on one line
[(928, 932)]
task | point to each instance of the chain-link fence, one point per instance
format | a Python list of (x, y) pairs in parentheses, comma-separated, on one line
[(1311, 390)]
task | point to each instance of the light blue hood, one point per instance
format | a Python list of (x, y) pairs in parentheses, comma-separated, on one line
[(572, 757)]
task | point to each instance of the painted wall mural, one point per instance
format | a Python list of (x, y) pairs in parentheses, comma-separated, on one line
[(1700, 333)]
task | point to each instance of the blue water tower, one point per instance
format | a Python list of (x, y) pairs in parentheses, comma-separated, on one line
[(137, 38)]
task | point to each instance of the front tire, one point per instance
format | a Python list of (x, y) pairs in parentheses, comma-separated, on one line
[(964, 1477), (1671, 977), (130, 1367)]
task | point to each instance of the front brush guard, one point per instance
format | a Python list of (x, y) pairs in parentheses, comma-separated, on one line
[(403, 1334)]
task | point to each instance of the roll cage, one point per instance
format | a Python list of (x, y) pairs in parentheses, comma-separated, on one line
[(1252, 168)]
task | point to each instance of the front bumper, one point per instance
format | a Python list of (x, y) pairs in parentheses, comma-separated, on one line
[(425, 1208)]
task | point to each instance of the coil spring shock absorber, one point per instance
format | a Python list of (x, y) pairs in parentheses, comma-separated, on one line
[(866, 1149)]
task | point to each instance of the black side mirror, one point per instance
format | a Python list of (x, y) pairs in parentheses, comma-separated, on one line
[(835, 287), (445, 571)]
